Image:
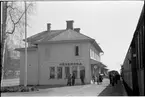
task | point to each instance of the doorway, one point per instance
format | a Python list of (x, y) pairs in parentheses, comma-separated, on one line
[(82, 71)]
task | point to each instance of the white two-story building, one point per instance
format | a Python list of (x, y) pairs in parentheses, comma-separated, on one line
[(53, 54)]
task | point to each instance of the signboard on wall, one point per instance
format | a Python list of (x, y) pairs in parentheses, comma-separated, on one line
[(68, 64)]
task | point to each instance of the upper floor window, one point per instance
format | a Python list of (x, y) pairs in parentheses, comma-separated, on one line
[(95, 56), (76, 50), (91, 54)]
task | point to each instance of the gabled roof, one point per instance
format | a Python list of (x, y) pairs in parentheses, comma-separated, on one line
[(60, 35), (43, 34), (64, 35), (57, 35)]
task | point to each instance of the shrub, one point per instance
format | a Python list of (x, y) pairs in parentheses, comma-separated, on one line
[(18, 89)]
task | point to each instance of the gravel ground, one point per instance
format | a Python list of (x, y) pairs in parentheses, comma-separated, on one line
[(103, 89)]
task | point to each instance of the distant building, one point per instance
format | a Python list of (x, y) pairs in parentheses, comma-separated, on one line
[(53, 54)]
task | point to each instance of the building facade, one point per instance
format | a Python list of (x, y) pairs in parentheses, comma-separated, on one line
[(53, 54)]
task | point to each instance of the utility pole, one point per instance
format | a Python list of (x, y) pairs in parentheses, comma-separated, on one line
[(25, 82)]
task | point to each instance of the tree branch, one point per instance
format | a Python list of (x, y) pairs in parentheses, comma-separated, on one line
[(15, 23), (22, 14)]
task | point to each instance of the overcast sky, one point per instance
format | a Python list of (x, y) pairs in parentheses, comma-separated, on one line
[(110, 23)]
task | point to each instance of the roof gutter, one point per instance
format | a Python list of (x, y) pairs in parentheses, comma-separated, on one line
[(61, 41), (97, 46)]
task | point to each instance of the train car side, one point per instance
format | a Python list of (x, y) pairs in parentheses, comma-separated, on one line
[(133, 66)]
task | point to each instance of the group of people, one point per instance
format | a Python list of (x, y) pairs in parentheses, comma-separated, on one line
[(71, 79), (97, 79), (114, 77)]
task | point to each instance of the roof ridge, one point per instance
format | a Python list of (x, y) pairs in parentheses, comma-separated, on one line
[(41, 33), (54, 35), (84, 35), (69, 30)]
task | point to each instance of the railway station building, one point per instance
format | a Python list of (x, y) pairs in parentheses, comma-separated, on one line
[(53, 54)]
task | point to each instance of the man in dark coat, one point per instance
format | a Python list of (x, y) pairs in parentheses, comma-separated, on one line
[(82, 78), (69, 80), (113, 79), (117, 77), (110, 77), (100, 78), (73, 79)]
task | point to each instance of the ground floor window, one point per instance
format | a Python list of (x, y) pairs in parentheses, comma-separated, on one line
[(59, 72), (67, 72), (52, 72), (74, 71)]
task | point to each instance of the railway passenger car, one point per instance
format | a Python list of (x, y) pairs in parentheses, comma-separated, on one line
[(133, 67)]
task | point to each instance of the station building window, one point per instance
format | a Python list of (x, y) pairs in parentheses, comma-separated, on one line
[(52, 72), (90, 53), (59, 72), (76, 50)]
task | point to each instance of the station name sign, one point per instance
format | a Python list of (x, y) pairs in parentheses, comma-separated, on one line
[(68, 64)]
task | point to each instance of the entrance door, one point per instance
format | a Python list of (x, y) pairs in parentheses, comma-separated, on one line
[(74, 71), (82, 71), (94, 70)]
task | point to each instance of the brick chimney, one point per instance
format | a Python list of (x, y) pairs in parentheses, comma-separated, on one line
[(77, 30), (48, 27), (69, 24)]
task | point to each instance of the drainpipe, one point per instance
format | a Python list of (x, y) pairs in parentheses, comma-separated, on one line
[(38, 66)]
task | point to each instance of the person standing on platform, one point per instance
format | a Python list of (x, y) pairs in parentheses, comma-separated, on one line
[(110, 78), (93, 79), (73, 79), (113, 79), (82, 79), (97, 79), (100, 78), (69, 80)]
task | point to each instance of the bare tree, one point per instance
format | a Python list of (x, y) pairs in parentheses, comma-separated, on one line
[(12, 23)]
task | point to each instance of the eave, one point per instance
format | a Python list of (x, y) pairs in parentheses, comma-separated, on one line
[(100, 64), (63, 41), (28, 48)]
